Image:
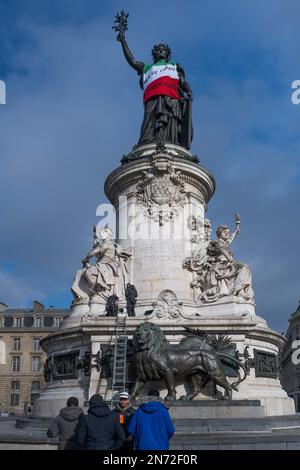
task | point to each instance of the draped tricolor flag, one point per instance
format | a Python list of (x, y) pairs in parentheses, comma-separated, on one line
[(160, 78)]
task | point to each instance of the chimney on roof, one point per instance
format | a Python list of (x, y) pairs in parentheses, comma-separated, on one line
[(3, 307), (37, 307)]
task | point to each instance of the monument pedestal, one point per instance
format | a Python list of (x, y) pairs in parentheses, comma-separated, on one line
[(96, 335), (158, 193), (216, 409)]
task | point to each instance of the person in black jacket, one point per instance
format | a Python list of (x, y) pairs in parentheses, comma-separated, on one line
[(99, 429), (124, 412)]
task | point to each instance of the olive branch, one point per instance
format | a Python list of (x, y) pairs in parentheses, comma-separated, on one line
[(121, 23)]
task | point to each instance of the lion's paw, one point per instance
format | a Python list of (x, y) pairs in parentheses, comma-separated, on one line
[(170, 397)]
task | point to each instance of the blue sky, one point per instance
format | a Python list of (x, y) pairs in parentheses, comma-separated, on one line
[(74, 108)]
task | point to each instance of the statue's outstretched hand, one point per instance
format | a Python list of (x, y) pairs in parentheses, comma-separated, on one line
[(121, 37)]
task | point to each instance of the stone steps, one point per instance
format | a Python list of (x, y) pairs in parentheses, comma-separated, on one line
[(271, 433), (270, 424)]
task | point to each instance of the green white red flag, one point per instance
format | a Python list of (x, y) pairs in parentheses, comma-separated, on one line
[(160, 78)]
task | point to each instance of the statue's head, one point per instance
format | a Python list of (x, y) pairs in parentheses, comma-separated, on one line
[(161, 52), (148, 335), (106, 233), (223, 231)]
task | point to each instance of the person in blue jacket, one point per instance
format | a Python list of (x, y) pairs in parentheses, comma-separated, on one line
[(151, 426)]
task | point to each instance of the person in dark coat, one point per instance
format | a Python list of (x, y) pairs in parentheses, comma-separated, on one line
[(100, 430), (151, 426), (131, 295), (65, 425), (124, 412)]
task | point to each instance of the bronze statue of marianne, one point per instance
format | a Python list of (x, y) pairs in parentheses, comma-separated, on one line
[(167, 94)]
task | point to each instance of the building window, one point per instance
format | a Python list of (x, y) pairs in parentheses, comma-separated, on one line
[(36, 344), (19, 322), (15, 393), (36, 363), (38, 323), (57, 322), (17, 344), (35, 390), (16, 363), (15, 386), (1, 322)]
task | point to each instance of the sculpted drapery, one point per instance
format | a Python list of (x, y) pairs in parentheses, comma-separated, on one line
[(109, 274), (216, 273)]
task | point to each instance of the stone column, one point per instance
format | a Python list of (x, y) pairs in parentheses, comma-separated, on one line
[(155, 192)]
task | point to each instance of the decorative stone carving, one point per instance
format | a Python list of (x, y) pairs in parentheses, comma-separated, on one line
[(161, 193), (160, 147), (201, 238), (108, 276), (265, 364), (142, 152), (64, 366), (216, 272), (167, 305)]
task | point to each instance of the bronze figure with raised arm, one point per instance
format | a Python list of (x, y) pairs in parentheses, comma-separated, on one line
[(167, 94)]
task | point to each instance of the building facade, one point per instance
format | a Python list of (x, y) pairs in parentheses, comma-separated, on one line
[(21, 357), (290, 359)]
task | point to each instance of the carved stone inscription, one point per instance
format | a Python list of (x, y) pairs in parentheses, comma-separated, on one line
[(160, 258)]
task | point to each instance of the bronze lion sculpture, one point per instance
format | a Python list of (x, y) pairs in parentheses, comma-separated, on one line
[(194, 359)]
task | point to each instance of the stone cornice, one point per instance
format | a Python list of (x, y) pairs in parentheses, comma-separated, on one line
[(235, 326), (131, 174)]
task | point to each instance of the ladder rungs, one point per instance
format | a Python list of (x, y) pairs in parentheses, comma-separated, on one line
[(120, 341)]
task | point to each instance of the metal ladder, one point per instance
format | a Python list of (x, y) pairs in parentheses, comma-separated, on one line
[(120, 354)]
